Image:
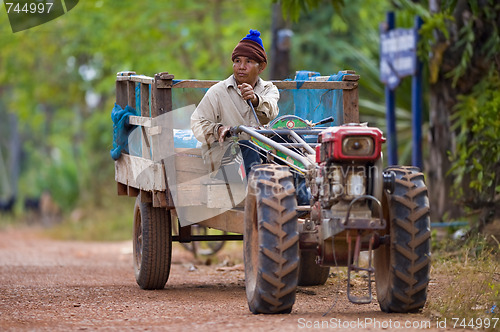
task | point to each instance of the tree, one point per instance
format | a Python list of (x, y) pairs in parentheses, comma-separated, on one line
[(463, 56), (460, 43), (58, 78), (328, 39)]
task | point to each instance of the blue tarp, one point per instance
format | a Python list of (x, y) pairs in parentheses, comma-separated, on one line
[(121, 129), (313, 104)]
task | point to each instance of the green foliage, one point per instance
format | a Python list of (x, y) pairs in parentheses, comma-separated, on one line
[(293, 9), (476, 162), (48, 73), (326, 43), (478, 35), (433, 24), (470, 41)]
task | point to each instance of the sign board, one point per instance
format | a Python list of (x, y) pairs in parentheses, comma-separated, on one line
[(398, 55)]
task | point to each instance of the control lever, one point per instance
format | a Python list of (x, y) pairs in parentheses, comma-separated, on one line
[(254, 113), (326, 120)]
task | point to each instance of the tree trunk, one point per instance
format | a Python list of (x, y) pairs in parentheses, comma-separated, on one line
[(441, 139), (443, 98), (280, 46)]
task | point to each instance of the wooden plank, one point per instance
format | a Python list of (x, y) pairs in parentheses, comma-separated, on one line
[(121, 94), (161, 98), (194, 84), (145, 111), (188, 151), (140, 121), (132, 192), (160, 200), (223, 196), (279, 84), (122, 88), (191, 194), (351, 107), (165, 80), (169, 201), (145, 100), (124, 75), (156, 130), (140, 173), (161, 103), (291, 85), (190, 163), (121, 189), (229, 221), (135, 78), (141, 79), (186, 176), (350, 78), (131, 94), (146, 196)]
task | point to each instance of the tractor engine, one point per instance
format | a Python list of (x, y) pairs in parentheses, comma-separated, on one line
[(346, 188)]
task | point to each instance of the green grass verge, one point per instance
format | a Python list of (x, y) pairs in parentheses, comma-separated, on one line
[(467, 283), (113, 221)]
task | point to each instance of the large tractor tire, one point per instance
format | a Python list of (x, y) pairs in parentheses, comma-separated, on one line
[(310, 273), (402, 266), (271, 240), (152, 248)]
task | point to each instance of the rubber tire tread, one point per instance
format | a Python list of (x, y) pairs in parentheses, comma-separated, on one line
[(271, 240), (402, 285), (310, 273), (154, 268)]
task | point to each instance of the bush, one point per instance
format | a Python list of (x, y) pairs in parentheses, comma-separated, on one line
[(476, 160)]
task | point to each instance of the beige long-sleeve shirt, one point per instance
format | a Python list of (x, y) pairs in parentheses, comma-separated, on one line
[(223, 105)]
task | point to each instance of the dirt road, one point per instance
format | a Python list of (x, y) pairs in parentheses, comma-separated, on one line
[(61, 286)]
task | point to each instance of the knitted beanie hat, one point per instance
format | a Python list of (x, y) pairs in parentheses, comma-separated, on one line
[(251, 46)]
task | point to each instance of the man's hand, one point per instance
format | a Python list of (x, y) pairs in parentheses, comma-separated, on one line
[(248, 94), (223, 131)]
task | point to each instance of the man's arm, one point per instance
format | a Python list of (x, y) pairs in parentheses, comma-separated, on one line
[(204, 121), (267, 109)]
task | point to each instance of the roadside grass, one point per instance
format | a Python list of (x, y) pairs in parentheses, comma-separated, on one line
[(112, 221), (466, 283), (8, 221)]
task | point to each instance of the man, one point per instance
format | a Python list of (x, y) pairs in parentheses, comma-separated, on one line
[(225, 105)]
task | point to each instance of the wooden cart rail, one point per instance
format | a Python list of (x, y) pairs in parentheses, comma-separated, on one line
[(349, 85), (155, 100)]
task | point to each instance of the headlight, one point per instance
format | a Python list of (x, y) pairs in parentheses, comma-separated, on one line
[(350, 142), (358, 146)]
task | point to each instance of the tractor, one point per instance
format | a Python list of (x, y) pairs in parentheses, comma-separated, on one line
[(357, 214)]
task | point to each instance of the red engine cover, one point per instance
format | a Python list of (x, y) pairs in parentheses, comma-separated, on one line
[(332, 138)]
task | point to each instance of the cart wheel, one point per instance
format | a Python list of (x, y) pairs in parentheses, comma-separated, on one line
[(152, 245), (402, 266), (310, 273), (271, 247)]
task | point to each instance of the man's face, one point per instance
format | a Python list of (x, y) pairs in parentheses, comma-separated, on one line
[(246, 70)]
